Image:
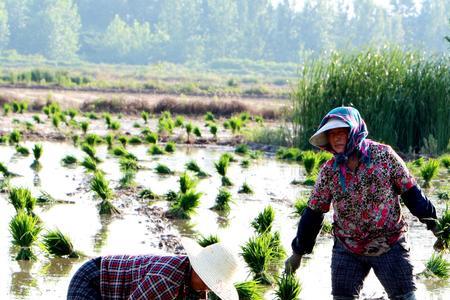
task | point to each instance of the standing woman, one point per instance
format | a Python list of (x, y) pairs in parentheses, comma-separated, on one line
[(363, 182)]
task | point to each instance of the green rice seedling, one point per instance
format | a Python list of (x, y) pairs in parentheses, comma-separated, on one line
[(445, 161), (179, 121), (428, 171), (108, 119), (89, 164), (75, 140), (148, 194), (419, 162), (327, 227), (186, 182), (235, 124), (278, 251), (69, 160), (223, 201), (15, 137), (310, 180), (92, 139), (91, 116), (310, 162), (16, 106), (209, 117), (245, 189), (135, 140), (185, 205), (194, 167), (4, 139), (5, 185), (89, 150), (127, 180), (72, 113), (213, 130), (4, 170), (170, 147), (58, 244), (242, 149), (165, 125), (244, 116), (100, 186), (299, 206), (45, 197), (37, 119), (119, 151), (22, 150), (15, 121), (151, 137), (37, 151), (29, 126), (255, 154), (155, 150), (257, 254), (188, 127), (115, 125), (205, 241), (123, 140), (222, 168), (263, 222), (443, 230), (437, 266), (245, 163), (109, 139), (163, 170), (18, 198), (197, 132), (128, 164), (323, 157), (56, 120), (226, 124), (259, 120), (136, 125), (6, 109), (171, 196), (443, 195), (24, 230), (290, 154), (145, 116), (287, 287), (250, 290), (229, 156)]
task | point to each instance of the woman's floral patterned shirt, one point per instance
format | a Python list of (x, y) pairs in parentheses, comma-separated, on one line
[(367, 216)]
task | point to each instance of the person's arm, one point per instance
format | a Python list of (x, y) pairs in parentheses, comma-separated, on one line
[(419, 205)]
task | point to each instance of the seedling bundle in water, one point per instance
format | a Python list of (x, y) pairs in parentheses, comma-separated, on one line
[(24, 229), (205, 241), (100, 186), (288, 287), (437, 266), (443, 230), (59, 244)]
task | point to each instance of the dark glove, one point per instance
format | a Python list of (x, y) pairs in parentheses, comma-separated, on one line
[(439, 244), (292, 263)]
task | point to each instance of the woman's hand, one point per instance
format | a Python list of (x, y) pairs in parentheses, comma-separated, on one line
[(292, 263)]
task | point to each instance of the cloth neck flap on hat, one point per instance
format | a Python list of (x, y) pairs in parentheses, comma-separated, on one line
[(357, 141)]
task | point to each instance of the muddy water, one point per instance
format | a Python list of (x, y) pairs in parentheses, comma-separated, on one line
[(135, 233)]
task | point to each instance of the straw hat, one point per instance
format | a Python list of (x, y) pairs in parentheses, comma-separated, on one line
[(319, 139), (216, 265)]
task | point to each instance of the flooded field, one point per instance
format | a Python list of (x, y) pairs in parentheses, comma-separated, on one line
[(142, 229)]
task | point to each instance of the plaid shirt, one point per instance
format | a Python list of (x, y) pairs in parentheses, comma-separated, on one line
[(146, 277)]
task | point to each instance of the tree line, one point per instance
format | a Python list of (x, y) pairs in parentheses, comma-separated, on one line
[(180, 31)]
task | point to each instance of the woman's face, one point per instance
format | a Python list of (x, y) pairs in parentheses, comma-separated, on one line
[(197, 283), (337, 138)]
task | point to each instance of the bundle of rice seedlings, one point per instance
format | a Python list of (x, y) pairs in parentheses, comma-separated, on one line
[(114, 125), (222, 167), (163, 170), (245, 163), (5, 185), (6, 109), (151, 137), (194, 167), (92, 139), (171, 196), (257, 253), (69, 160), (75, 140), (15, 137), (299, 206), (89, 164), (4, 170), (235, 124), (189, 127), (443, 230), (56, 120), (223, 201), (250, 290), (128, 164), (185, 205), (148, 194), (287, 287), (109, 139), (310, 162), (127, 180), (245, 189), (213, 130), (278, 251), (58, 244), (170, 147), (84, 126), (209, 117), (89, 150), (179, 121), (228, 156), (135, 140), (165, 125), (197, 131), (100, 186), (255, 154), (45, 197), (3, 139), (263, 222), (22, 199), (24, 229), (323, 157), (119, 151), (327, 227), (155, 150), (22, 150), (242, 149), (445, 161), (145, 116), (205, 241), (123, 140), (290, 154), (186, 182), (428, 171), (37, 151), (310, 180), (437, 266)]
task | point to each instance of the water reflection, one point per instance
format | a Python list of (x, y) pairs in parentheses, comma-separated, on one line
[(58, 267), (101, 237), (22, 282)]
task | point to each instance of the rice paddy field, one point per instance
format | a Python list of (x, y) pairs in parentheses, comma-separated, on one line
[(132, 186)]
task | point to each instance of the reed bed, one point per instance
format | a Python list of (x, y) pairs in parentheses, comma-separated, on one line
[(402, 96)]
